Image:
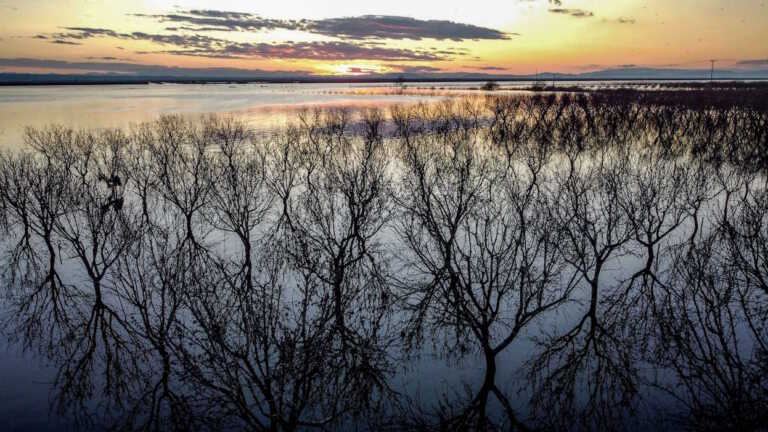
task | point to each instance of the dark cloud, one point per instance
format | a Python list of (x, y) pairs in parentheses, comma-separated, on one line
[(212, 20), (492, 68), (359, 28), (85, 33), (361, 70), (182, 40), (363, 36), (576, 13), (65, 42), (398, 27), (196, 41), (753, 63), (206, 46), (307, 51), (220, 14), (451, 51), (414, 69)]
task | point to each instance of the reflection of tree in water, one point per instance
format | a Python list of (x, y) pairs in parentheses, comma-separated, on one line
[(713, 318), (187, 275), (485, 263)]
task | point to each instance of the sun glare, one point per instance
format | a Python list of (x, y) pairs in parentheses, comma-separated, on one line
[(354, 69)]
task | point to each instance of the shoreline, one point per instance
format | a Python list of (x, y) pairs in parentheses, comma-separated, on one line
[(85, 81)]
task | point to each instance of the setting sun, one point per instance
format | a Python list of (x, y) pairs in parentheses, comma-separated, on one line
[(354, 69)]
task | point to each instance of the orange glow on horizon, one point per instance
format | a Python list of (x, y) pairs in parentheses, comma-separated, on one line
[(300, 36)]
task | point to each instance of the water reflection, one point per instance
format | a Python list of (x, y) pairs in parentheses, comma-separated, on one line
[(586, 255), (265, 107)]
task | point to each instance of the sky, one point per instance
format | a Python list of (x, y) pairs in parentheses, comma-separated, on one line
[(350, 37)]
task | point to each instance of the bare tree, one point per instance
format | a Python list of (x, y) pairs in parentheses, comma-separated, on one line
[(712, 321), (483, 262), (589, 355), (333, 216), (181, 161)]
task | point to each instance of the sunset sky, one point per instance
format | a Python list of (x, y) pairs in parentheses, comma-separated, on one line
[(350, 37)]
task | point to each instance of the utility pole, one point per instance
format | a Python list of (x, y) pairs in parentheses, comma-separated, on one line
[(712, 70)]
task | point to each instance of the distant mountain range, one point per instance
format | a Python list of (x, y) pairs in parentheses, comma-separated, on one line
[(179, 75)]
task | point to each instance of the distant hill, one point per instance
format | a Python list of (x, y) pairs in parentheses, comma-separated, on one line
[(673, 74)]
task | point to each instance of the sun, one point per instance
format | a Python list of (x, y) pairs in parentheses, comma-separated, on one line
[(354, 68)]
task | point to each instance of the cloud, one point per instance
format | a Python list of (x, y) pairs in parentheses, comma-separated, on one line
[(358, 28), (207, 46), (65, 42), (492, 68), (181, 40), (220, 14), (85, 33), (361, 70), (212, 20), (125, 68), (576, 13), (319, 50), (187, 33), (414, 69), (753, 63), (620, 20), (398, 27)]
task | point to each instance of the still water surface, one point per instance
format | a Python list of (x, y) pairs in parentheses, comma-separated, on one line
[(265, 106), (25, 379)]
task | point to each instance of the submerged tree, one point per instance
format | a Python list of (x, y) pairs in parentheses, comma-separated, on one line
[(483, 260), (190, 274)]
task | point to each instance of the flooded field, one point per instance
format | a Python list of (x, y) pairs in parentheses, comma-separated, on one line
[(480, 260)]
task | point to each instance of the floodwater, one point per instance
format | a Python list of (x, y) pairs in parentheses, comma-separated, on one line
[(27, 380), (265, 106)]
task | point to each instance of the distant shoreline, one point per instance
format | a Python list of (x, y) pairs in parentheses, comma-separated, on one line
[(83, 81)]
